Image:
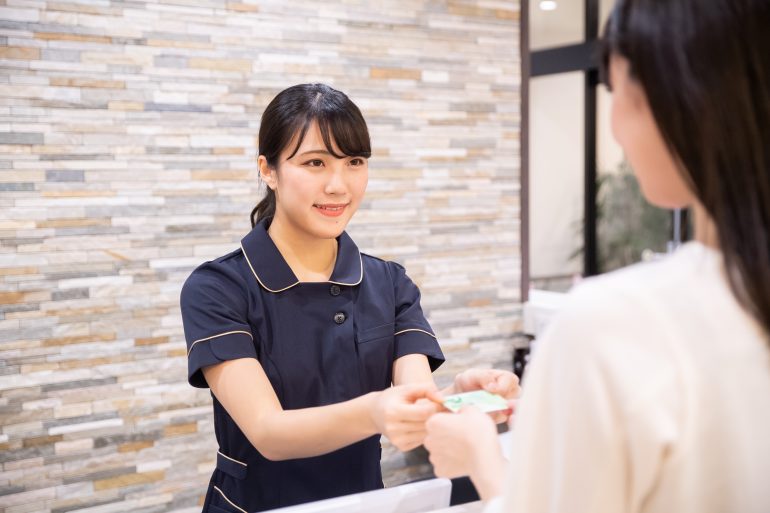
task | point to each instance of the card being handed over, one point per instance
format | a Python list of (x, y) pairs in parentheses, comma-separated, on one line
[(481, 399)]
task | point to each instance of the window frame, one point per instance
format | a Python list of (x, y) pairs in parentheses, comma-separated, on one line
[(579, 56)]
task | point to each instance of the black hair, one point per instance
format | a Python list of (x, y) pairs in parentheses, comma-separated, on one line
[(705, 70), (292, 112)]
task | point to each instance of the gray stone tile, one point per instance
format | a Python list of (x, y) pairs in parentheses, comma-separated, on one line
[(26, 453), (78, 384), (64, 175), (79, 156), (102, 474), (77, 420), (24, 307), (104, 441), (20, 138), (17, 186), (173, 107), (170, 61), (61, 295), (60, 55)]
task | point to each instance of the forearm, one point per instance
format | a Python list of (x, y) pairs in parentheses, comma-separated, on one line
[(412, 369), (307, 432), (488, 474), (246, 393)]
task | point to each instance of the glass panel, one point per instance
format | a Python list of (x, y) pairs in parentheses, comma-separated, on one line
[(556, 23), (628, 228), (605, 8), (556, 179)]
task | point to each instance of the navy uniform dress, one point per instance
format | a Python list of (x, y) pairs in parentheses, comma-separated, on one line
[(319, 344)]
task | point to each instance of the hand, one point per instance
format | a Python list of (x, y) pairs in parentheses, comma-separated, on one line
[(400, 413), (495, 381), (465, 443)]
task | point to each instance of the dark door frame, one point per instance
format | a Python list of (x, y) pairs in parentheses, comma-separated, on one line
[(581, 56)]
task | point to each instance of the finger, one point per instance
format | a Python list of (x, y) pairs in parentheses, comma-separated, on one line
[(439, 406), (407, 430), (474, 379), (412, 393), (507, 385), (436, 397), (469, 409), (414, 412), (493, 381), (409, 442), (500, 417), (437, 421)]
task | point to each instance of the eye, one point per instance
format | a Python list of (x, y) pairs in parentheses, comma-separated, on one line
[(358, 161), (314, 163)]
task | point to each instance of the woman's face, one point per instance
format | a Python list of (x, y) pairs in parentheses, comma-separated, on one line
[(316, 193), (634, 128)]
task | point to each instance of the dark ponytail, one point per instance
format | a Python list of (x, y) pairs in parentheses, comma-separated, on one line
[(705, 69), (265, 209), (289, 116)]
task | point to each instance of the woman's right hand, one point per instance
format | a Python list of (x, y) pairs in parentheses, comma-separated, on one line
[(400, 413), (466, 443)]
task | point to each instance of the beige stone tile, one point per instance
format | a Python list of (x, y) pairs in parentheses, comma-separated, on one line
[(129, 480)]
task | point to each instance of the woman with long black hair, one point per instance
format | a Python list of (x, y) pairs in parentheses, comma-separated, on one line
[(651, 391)]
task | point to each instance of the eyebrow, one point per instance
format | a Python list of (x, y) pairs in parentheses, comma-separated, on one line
[(324, 152)]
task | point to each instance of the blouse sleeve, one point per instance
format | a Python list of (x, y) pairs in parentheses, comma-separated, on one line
[(413, 334), (214, 314)]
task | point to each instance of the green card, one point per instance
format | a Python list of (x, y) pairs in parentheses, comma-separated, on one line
[(481, 399)]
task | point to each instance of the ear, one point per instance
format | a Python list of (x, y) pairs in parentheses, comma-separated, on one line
[(266, 173)]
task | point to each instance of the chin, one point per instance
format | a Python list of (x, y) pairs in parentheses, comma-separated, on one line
[(330, 230), (665, 199)]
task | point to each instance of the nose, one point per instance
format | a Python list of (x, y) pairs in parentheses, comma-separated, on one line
[(335, 184)]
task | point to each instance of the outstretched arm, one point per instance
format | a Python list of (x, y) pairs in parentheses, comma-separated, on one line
[(246, 393)]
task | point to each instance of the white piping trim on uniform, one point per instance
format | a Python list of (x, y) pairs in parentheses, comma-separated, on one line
[(415, 329), (360, 278), (216, 336), (260, 281), (231, 459), (228, 500)]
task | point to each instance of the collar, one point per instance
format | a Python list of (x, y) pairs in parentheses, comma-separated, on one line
[(274, 274)]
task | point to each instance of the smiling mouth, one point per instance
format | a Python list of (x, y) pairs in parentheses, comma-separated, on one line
[(330, 210)]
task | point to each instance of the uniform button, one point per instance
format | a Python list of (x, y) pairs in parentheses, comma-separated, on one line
[(339, 317), (335, 290)]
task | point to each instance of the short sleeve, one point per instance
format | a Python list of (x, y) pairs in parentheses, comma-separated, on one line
[(214, 307), (413, 334)]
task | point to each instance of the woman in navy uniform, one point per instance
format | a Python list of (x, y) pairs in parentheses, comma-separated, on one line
[(300, 336)]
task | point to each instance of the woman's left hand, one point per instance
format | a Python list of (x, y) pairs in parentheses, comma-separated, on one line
[(495, 381)]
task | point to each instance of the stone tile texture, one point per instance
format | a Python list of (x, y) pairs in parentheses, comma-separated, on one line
[(127, 157)]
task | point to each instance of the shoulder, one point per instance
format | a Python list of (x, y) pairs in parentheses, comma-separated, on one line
[(626, 325), (647, 290), (381, 269), (603, 307), (223, 276)]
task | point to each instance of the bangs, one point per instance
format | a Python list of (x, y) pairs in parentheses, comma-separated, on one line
[(345, 128)]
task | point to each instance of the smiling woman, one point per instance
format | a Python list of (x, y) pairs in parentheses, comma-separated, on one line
[(316, 193), (300, 336)]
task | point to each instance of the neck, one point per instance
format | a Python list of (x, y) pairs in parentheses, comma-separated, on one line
[(704, 228), (310, 258)]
